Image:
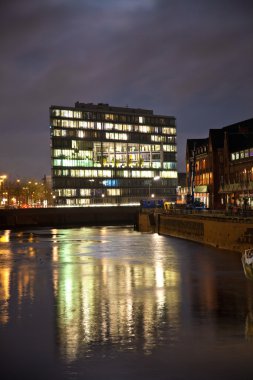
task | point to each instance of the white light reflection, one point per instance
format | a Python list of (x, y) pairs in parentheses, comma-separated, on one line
[(101, 299)]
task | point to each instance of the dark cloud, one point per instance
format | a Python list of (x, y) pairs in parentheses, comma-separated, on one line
[(191, 59)]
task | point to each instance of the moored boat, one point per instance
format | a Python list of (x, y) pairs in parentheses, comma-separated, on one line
[(247, 262)]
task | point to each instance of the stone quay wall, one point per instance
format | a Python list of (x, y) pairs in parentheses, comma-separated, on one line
[(68, 216), (235, 234)]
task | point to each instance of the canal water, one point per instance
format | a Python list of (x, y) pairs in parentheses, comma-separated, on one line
[(112, 303)]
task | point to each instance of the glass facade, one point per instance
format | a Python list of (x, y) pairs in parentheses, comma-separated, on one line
[(110, 155)]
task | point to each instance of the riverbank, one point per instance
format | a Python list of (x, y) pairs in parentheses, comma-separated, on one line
[(232, 233)]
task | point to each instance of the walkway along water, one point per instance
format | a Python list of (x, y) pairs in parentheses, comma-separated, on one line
[(220, 231)]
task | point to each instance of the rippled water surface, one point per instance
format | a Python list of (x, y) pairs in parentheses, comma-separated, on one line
[(112, 303)]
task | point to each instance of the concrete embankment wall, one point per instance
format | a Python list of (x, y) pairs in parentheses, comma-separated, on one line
[(147, 222), (226, 233), (68, 216)]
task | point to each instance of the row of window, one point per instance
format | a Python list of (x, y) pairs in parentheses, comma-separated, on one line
[(242, 154), (242, 176), (103, 193), (111, 126), (110, 147), (96, 173), (93, 135), (97, 184), (86, 192), (200, 165), (204, 179), (87, 115), (121, 154), (132, 163)]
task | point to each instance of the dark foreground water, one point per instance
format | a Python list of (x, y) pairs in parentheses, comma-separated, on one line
[(111, 303)]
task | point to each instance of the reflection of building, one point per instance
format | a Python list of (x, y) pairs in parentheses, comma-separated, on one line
[(112, 302), (111, 154), (220, 167)]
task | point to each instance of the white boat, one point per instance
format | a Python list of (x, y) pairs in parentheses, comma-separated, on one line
[(247, 262)]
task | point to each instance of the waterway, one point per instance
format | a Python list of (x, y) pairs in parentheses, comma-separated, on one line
[(112, 303)]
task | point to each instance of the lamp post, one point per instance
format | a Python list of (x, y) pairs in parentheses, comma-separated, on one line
[(2, 179), (156, 178)]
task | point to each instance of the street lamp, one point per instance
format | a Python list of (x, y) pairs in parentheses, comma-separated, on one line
[(2, 179), (156, 178)]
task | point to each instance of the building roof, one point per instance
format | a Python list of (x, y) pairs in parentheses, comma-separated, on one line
[(245, 126), (105, 107), (192, 144), (239, 135), (196, 142)]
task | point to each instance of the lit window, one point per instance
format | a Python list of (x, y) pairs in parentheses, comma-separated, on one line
[(113, 192), (66, 113), (108, 116), (118, 127), (168, 174), (156, 148), (77, 115), (80, 134), (83, 124), (108, 126), (85, 192)]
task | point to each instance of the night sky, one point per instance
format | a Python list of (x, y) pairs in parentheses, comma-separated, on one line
[(192, 59)]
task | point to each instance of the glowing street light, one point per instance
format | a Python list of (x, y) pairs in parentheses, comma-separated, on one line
[(3, 199), (156, 178)]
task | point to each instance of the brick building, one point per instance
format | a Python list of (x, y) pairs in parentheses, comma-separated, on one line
[(219, 169)]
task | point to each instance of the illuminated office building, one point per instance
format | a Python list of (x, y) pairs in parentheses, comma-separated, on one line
[(111, 155)]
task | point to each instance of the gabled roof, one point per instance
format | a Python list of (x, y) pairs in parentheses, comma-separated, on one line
[(196, 142)]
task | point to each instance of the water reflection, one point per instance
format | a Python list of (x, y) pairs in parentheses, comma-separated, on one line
[(121, 298), (113, 290), (18, 273)]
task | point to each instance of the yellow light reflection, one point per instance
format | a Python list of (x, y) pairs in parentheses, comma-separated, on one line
[(5, 236), (4, 294), (26, 283)]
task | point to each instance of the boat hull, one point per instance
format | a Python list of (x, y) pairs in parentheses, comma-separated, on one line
[(247, 263)]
